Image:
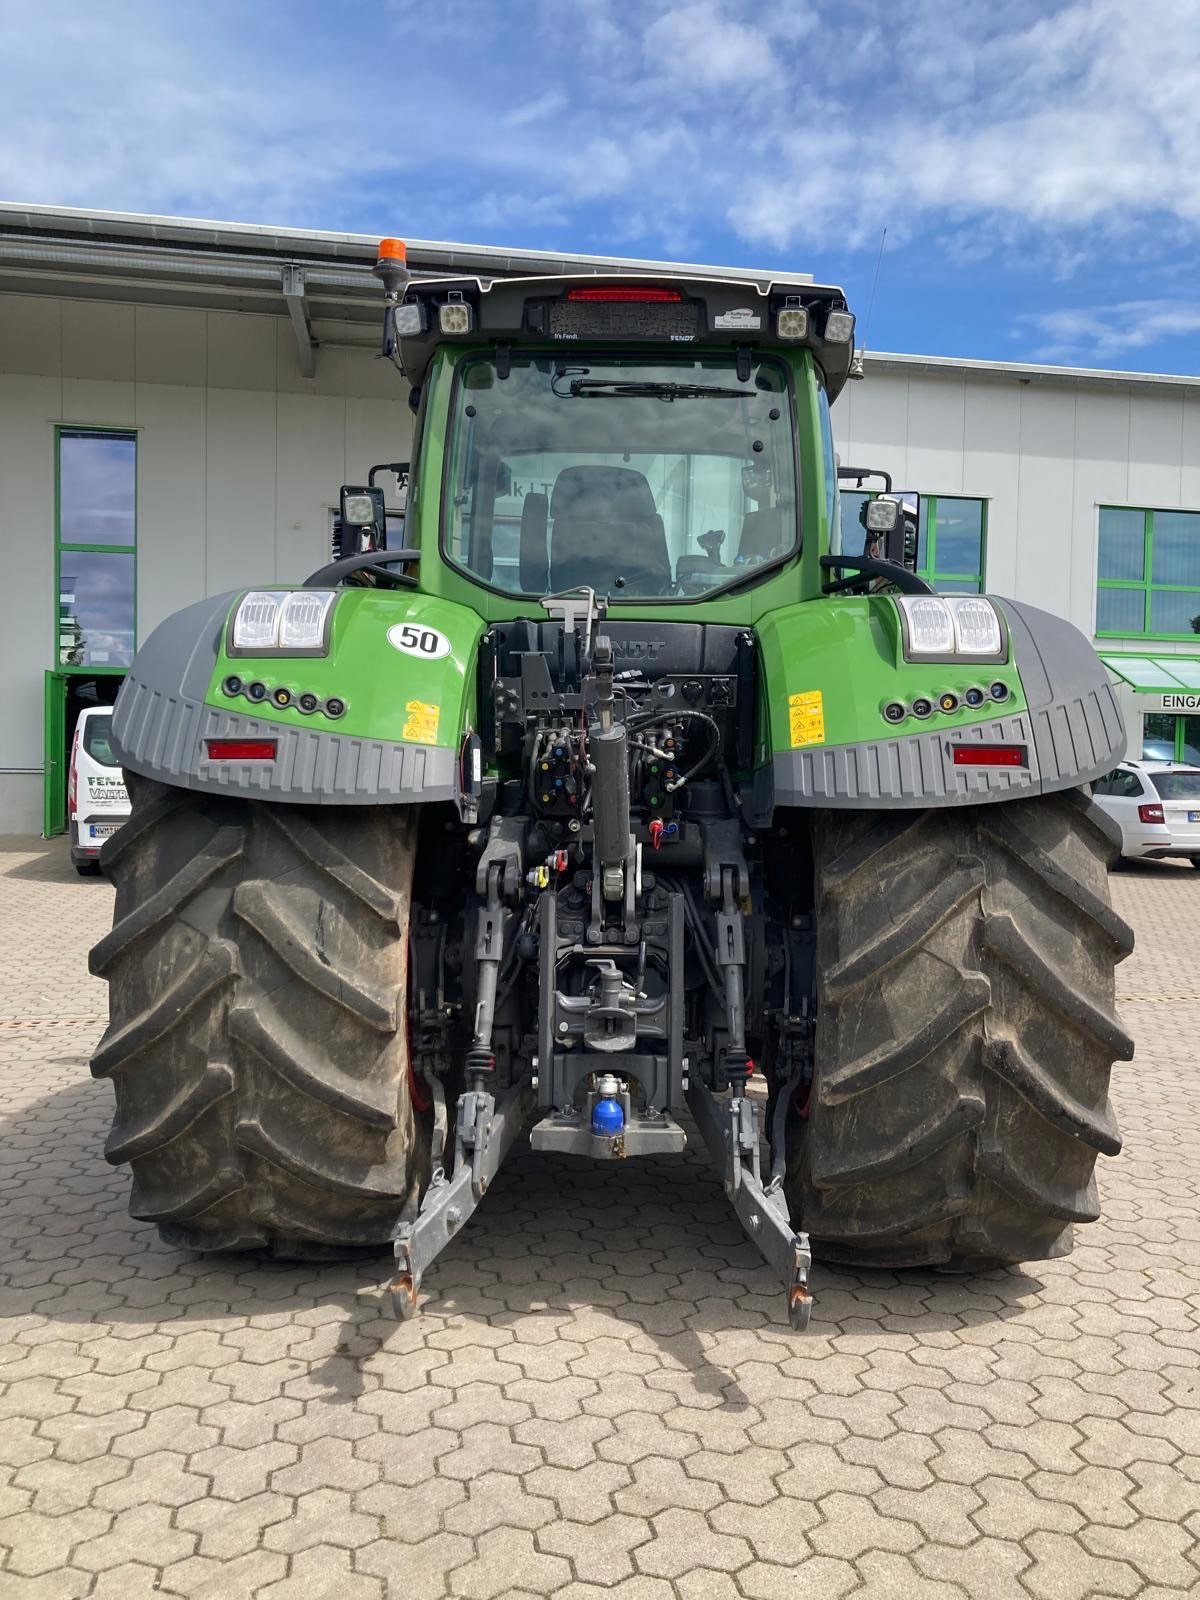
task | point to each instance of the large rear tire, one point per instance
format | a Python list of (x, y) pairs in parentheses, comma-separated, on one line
[(258, 1041), (965, 1034)]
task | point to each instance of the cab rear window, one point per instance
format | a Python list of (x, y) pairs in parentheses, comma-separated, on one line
[(97, 740), (1177, 785)]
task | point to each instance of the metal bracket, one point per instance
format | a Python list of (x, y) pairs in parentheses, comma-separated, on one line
[(730, 1130), (293, 293), (484, 1134)]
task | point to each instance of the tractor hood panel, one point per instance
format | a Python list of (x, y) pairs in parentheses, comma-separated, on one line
[(832, 668), (379, 717)]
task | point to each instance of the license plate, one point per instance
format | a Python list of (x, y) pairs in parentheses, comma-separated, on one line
[(102, 830), (1194, 816)]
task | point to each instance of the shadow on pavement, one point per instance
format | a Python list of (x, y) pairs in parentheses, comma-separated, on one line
[(652, 1247)]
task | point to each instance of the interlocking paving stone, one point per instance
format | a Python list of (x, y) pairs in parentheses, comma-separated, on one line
[(599, 1400)]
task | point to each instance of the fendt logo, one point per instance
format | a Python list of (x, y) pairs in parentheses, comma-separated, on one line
[(637, 649)]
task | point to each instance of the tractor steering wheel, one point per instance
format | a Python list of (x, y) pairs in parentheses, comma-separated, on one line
[(372, 561)]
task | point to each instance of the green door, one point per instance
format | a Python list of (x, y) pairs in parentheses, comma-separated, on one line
[(55, 756)]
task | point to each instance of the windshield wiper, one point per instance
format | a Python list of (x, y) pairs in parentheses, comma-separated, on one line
[(649, 391)]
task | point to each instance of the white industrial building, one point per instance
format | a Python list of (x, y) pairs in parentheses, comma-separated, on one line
[(179, 402)]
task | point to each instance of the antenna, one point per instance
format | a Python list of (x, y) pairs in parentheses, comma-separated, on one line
[(857, 367)]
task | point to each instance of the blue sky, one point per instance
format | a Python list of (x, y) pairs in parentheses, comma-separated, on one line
[(1036, 166)]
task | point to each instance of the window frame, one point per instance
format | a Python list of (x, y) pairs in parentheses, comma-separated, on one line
[(1146, 583), (72, 430), (928, 567)]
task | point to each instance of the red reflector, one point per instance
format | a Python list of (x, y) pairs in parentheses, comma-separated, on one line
[(618, 292), (241, 749), (1151, 814), (990, 755)]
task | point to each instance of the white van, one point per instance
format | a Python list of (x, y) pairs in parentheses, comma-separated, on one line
[(97, 803)]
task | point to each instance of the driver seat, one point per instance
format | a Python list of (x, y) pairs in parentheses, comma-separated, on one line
[(605, 525)]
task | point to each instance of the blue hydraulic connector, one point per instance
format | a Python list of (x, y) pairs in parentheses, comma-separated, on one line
[(608, 1115)]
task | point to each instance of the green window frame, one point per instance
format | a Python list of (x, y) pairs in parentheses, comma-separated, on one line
[(1146, 585), (931, 568), (68, 547), (935, 573)]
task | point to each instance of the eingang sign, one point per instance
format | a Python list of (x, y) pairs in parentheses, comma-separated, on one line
[(1179, 701)]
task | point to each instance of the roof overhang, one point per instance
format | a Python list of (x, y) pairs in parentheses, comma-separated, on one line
[(1026, 373), (322, 281), (1156, 675)]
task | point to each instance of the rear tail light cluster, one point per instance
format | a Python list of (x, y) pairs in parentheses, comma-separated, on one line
[(1151, 813)]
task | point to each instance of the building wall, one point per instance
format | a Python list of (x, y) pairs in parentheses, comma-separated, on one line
[(1044, 455), (239, 462)]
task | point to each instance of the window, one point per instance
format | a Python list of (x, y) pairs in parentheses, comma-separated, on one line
[(97, 740), (952, 543), (643, 476), (96, 538), (1170, 738), (1149, 573)]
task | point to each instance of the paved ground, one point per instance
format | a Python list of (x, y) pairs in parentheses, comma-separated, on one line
[(601, 1400)]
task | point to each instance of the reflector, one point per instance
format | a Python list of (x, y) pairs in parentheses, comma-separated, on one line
[(991, 755), (241, 749)]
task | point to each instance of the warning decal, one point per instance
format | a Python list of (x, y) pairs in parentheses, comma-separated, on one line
[(421, 725), (806, 718)]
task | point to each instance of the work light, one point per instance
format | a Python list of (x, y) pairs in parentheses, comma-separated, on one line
[(282, 622), (791, 321), (455, 315), (881, 515), (358, 510), (950, 625), (409, 320), (839, 327), (930, 627)]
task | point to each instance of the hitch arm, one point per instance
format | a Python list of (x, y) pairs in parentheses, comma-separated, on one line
[(484, 1134), (730, 1130)]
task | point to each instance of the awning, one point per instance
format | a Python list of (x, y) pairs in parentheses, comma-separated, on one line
[(1156, 674)]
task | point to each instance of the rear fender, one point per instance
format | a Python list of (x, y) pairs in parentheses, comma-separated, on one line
[(395, 694), (830, 667)]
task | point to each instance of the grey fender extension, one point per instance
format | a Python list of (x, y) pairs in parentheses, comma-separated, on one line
[(1071, 728)]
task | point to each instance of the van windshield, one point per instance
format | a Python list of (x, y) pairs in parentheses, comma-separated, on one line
[(97, 740), (637, 477)]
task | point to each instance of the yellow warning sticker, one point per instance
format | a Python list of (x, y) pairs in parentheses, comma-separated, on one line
[(806, 718), (421, 725)]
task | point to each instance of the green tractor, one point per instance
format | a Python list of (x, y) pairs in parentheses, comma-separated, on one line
[(634, 777)]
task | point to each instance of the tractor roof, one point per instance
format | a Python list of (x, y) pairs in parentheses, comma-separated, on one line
[(626, 309)]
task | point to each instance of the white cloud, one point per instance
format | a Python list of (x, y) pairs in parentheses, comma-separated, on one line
[(1107, 332)]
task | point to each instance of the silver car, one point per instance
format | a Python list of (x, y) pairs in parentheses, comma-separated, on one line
[(1156, 805)]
